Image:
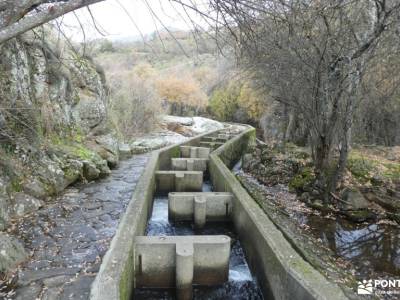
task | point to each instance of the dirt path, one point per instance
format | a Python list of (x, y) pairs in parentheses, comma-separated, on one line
[(69, 236)]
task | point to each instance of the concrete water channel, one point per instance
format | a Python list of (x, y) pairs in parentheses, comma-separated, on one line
[(192, 231)]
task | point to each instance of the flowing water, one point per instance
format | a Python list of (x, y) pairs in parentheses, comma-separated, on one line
[(241, 284), (373, 249)]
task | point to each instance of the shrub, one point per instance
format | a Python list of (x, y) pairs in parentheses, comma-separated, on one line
[(303, 179), (135, 104), (183, 94)]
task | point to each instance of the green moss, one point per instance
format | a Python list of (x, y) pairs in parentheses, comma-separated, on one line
[(16, 185), (126, 280), (83, 153), (304, 178), (175, 152), (70, 174)]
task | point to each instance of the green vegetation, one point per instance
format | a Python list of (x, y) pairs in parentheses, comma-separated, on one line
[(236, 101), (361, 167), (304, 178), (83, 152), (368, 164), (148, 79)]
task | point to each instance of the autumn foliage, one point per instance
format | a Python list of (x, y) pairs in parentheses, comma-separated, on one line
[(183, 94)]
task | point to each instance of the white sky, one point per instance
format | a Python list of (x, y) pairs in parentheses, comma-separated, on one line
[(111, 17)]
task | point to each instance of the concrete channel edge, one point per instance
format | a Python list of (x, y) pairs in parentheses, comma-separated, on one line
[(281, 272)]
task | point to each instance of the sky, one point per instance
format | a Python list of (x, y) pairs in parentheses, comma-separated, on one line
[(112, 19)]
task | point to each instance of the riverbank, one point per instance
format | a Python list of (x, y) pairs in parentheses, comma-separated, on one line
[(344, 249)]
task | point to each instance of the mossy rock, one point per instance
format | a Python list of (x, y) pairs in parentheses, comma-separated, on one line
[(12, 252)]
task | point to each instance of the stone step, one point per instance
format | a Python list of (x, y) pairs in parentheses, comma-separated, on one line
[(194, 152), (189, 164), (179, 181), (180, 261), (200, 207)]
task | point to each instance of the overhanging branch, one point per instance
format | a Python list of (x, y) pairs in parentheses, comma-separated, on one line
[(37, 19)]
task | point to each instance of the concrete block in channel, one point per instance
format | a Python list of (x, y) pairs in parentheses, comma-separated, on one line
[(200, 207), (184, 270), (194, 152), (214, 139), (179, 181), (180, 261), (212, 145), (189, 164)]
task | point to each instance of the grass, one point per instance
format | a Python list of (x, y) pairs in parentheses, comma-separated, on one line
[(364, 164)]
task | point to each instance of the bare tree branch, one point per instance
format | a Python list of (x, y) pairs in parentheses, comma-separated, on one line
[(36, 19)]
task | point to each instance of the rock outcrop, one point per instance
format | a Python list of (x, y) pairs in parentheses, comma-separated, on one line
[(11, 252), (53, 122)]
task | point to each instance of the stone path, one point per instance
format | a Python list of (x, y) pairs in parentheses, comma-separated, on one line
[(69, 237)]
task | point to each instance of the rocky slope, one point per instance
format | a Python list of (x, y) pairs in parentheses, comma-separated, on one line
[(53, 126)]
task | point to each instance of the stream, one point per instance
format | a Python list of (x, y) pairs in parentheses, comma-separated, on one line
[(371, 248)]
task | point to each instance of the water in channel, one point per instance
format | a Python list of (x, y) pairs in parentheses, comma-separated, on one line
[(241, 284)]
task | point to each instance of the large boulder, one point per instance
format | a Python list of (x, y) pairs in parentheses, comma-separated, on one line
[(11, 252), (185, 121), (90, 111), (90, 172), (124, 150), (156, 140), (353, 200), (355, 206), (203, 125), (72, 172), (107, 147), (34, 187)]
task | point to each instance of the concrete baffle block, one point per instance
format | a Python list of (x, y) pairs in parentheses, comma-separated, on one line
[(180, 181), (225, 136), (189, 164), (165, 261), (184, 270), (213, 139), (194, 152), (200, 211), (212, 145), (190, 207)]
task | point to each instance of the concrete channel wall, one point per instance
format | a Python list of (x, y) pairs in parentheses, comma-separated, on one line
[(281, 272), (115, 279)]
